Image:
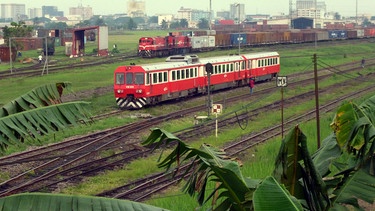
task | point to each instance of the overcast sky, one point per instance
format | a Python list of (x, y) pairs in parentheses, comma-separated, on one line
[(273, 7)]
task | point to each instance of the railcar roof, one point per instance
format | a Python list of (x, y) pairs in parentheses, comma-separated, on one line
[(166, 65), (203, 61)]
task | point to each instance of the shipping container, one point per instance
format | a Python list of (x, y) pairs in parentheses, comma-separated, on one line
[(296, 36), (360, 33), (203, 42), (222, 40), (352, 34), (322, 35), (337, 34), (238, 39), (369, 32), (5, 53)]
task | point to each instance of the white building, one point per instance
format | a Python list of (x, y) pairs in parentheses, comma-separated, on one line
[(85, 12), (237, 11), (136, 8), (34, 13), (13, 11), (166, 17)]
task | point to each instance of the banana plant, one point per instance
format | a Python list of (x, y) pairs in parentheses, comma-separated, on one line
[(335, 177), (39, 112), (61, 202), (235, 191)]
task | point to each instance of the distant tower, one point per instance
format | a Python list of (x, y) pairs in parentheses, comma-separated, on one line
[(136, 8)]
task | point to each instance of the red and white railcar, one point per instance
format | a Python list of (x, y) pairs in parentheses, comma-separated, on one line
[(136, 86)]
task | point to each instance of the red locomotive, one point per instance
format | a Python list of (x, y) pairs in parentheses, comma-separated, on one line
[(163, 46), (136, 86)]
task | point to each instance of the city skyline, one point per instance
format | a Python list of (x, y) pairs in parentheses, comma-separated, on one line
[(154, 7)]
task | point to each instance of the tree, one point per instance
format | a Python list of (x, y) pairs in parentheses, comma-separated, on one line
[(164, 24), (203, 24), (366, 22), (39, 112), (19, 29), (131, 24), (56, 25), (337, 175), (153, 19), (337, 16), (175, 25), (184, 23), (84, 23), (100, 22)]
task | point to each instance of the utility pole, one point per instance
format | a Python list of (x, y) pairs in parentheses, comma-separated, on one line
[(239, 30), (209, 20), (10, 56), (316, 100)]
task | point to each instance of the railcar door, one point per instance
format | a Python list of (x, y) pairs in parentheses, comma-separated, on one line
[(249, 69)]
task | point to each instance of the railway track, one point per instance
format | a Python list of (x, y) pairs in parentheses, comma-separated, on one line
[(144, 188), (79, 157), (53, 66)]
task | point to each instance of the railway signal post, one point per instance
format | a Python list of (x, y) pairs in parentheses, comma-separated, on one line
[(209, 70), (282, 81), (217, 109)]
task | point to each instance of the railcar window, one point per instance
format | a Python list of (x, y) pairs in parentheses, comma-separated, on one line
[(182, 74), (232, 67), (220, 68), (192, 72), (154, 78), (173, 75), (148, 78), (165, 76), (160, 77), (243, 65), (129, 78), (120, 78), (258, 63), (196, 72), (139, 78), (178, 75)]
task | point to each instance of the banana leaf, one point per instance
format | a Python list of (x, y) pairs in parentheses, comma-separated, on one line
[(60, 202), (294, 168), (270, 195), (45, 95), (32, 124), (206, 164)]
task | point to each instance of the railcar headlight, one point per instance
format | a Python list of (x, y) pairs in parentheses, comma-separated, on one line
[(119, 91), (138, 91)]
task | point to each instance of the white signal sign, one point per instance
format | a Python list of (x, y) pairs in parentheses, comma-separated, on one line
[(217, 108), (281, 81)]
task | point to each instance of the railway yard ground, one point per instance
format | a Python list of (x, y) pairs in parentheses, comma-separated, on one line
[(84, 160)]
